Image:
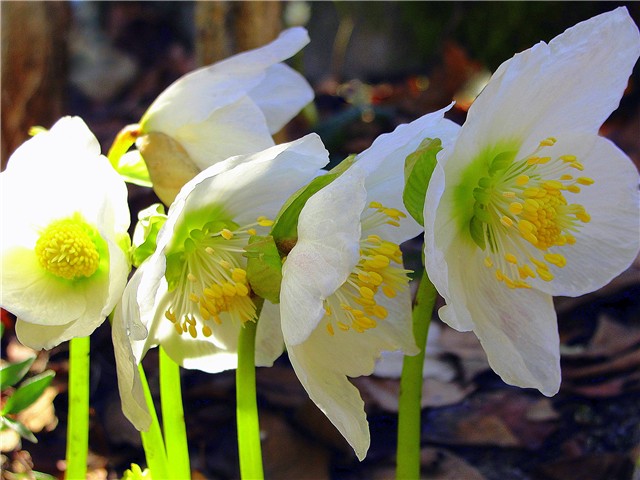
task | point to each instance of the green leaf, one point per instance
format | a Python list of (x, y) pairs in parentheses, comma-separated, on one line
[(28, 392), (285, 228), (264, 267), (14, 372), (150, 221), (130, 166), (42, 476), (136, 473), (17, 426), (418, 168), (36, 129), (132, 169)]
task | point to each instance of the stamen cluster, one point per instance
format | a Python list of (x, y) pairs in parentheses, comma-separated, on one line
[(66, 249), (354, 306), (521, 204), (213, 279)]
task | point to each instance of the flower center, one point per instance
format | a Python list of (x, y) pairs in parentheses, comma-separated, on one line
[(522, 203), (379, 271), (209, 278), (67, 248)]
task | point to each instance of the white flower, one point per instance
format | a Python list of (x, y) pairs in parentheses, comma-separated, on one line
[(229, 108), (200, 248), (344, 296), (531, 202), (64, 227)]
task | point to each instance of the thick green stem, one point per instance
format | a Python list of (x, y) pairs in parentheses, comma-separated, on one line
[(175, 432), (409, 426), (246, 403), (78, 422), (152, 441)]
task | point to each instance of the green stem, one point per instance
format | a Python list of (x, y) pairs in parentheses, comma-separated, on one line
[(78, 422), (246, 403), (152, 441), (175, 432), (409, 427)]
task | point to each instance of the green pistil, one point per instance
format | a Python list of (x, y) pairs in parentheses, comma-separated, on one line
[(484, 191)]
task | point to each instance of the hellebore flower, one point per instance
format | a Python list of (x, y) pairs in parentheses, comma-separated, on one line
[(229, 108), (65, 220), (193, 294), (531, 202), (345, 295)]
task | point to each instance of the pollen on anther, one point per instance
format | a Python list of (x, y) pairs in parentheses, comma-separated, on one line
[(511, 258), (506, 221), (548, 142), (330, 329), (556, 259), (264, 221), (577, 166), (388, 291), (226, 233), (515, 208)]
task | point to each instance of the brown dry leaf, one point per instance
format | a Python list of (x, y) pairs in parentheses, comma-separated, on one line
[(9, 440), (280, 386), (383, 392), (609, 365), (466, 347), (41, 413), (542, 411), (590, 387), (493, 418), (439, 464), (629, 277), (593, 466), (612, 337), (316, 425), (288, 454)]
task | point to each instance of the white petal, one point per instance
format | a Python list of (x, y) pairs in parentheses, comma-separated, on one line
[(269, 341), (244, 186), (384, 161), (36, 296), (326, 252), (31, 169), (323, 362), (444, 248), (69, 135), (396, 331), (281, 95), (517, 327), (214, 354), (192, 98), (132, 398), (119, 268), (330, 390), (235, 129), (44, 336), (48, 336), (571, 84), (609, 243)]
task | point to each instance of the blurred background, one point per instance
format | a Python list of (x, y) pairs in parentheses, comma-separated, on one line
[(373, 66)]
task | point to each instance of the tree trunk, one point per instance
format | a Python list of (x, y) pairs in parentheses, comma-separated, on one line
[(34, 68), (226, 28)]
